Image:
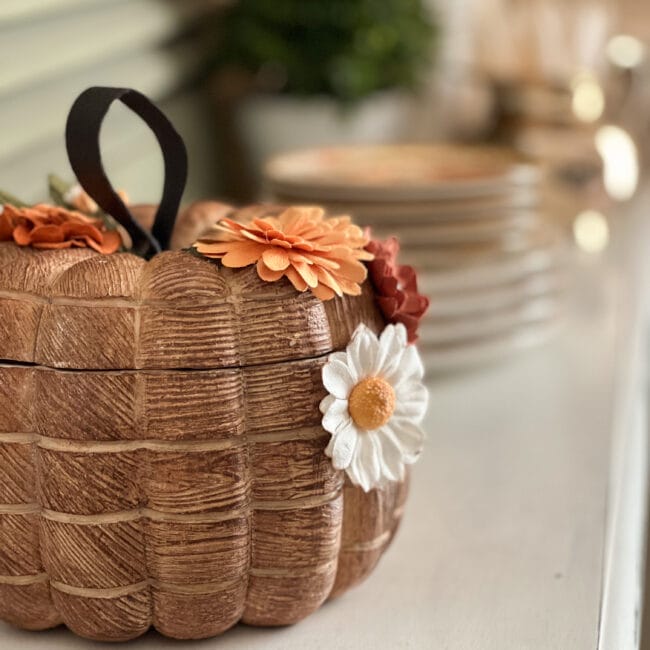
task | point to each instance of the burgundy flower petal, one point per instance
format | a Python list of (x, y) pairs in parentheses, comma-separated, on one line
[(396, 286)]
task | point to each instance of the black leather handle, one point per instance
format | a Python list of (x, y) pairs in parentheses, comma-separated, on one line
[(82, 141)]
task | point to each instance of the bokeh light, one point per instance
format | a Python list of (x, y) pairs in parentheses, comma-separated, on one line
[(620, 161), (588, 101), (625, 51), (591, 232)]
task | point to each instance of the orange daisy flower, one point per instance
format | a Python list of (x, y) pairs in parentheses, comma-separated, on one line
[(313, 251), (52, 227)]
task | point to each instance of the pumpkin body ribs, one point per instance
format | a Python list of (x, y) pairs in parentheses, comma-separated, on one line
[(161, 456)]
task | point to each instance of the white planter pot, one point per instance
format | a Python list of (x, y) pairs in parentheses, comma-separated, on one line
[(272, 124)]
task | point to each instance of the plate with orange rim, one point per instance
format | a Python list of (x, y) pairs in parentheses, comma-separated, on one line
[(474, 303), (465, 354), (399, 172), (493, 322)]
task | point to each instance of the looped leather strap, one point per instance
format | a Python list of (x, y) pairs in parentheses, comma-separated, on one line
[(82, 142)]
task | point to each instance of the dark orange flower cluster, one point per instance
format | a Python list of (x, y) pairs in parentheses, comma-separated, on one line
[(312, 251), (50, 227), (396, 287)]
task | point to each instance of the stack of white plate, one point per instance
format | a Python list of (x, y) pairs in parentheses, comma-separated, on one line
[(468, 219)]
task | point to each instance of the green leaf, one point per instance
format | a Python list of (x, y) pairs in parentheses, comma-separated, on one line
[(58, 189), (5, 197)]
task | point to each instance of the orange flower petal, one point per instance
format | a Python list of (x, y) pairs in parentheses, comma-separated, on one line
[(6, 226), (22, 235), (276, 259), (352, 270), (252, 236), (47, 233), (53, 227), (304, 246), (111, 242), (71, 228), (261, 224), (348, 287), (295, 279), (326, 278), (301, 243), (325, 262), (266, 273), (323, 292), (280, 242), (231, 225), (297, 257), (294, 217), (52, 245), (216, 249), (364, 255), (307, 273), (242, 254), (331, 239)]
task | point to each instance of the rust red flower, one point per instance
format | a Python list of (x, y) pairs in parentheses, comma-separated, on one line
[(51, 227), (396, 287)]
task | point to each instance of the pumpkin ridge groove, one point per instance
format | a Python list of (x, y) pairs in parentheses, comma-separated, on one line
[(24, 580), (9, 363), (198, 444)]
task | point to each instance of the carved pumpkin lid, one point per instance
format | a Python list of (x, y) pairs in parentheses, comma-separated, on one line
[(80, 310), (77, 309)]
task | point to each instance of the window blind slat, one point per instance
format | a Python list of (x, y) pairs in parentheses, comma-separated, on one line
[(130, 152), (39, 112), (57, 46), (14, 10), (51, 50)]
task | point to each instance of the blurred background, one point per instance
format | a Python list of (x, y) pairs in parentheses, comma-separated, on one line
[(526, 123), (246, 80), (504, 141)]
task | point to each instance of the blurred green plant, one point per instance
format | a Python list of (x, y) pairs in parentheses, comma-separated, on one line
[(347, 49)]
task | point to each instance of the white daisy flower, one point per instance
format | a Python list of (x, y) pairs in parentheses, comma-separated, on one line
[(375, 406)]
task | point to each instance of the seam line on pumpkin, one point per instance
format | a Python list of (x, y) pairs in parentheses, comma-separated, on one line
[(18, 438), (302, 503), (117, 446), (105, 592), (134, 303), (154, 444), (141, 513), (126, 590), (11, 363), (108, 301), (370, 545), (19, 508), (281, 572), (136, 514), (24, 580)]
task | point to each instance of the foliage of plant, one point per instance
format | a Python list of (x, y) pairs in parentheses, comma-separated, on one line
[(343, 48)]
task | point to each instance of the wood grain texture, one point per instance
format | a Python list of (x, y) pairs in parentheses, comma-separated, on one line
[(161, 456)]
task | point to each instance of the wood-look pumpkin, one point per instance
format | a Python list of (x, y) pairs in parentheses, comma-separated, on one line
[(161, 452)]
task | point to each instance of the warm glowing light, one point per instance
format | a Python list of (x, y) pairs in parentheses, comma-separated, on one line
[(625, 51), (620, 162), (591, 231), (588, 101)]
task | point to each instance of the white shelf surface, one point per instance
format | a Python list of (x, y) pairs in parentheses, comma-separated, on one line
[(525, 525)]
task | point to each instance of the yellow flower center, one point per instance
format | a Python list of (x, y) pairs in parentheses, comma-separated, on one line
[(371, 403)]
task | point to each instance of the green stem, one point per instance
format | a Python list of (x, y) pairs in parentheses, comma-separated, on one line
[(5, 197)]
